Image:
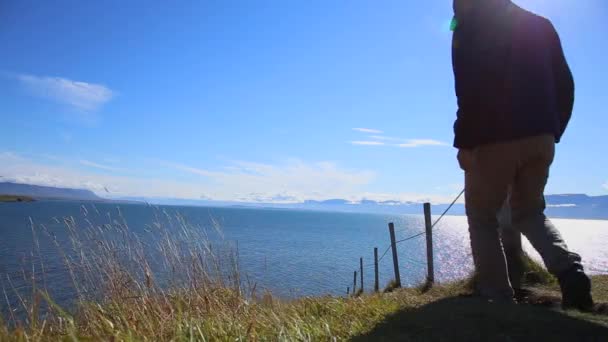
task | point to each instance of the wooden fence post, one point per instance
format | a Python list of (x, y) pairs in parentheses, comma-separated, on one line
[(391, 230), (355, 283), (361, 269), (376, 285), (429, 243), (347, 290)]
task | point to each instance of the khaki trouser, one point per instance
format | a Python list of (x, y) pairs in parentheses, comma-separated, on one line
[(511, 242), (490, 171)]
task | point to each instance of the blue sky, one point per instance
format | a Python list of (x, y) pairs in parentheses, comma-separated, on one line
[(262, 100)]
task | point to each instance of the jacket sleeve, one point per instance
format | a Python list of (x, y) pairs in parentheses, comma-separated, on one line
[(458, 67), (564, 82)]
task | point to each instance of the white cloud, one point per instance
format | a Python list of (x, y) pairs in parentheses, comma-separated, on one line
[(187, 168), (569, 205), (422, 142), (82, 96), (368, 130), (380, 140), (400, 142), (605, 185), (288, 182), (409, 197), (292, 181), (367, 143), (385, 138), (19, 169), (99, 166)]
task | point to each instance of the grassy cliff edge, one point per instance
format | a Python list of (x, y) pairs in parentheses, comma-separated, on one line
[(444, 312), (181, 287)]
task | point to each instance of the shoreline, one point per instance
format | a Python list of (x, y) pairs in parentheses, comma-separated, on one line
[(16, 199)]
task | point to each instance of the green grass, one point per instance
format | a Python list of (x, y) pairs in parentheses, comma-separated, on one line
[(15, 198), (206, 301), (442, 313), (534, 274)]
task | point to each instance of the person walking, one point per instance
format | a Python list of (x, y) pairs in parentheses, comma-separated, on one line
[(515, 96)]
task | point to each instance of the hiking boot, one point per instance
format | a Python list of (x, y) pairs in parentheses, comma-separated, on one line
[(576, 289)]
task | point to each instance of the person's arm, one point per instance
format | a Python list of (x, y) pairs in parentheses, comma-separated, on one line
[(564, 82), (461, 78)]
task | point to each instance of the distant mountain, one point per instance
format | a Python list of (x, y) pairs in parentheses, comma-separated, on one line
[(179, 201), (558, 206), (578, 206), (47, 192)]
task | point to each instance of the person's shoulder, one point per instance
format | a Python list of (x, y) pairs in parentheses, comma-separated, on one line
[(533, 19)]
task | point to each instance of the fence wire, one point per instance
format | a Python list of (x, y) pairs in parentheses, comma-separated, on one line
[(419, 234)]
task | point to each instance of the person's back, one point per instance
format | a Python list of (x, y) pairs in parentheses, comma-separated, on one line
[(515, 96), (512, 80)]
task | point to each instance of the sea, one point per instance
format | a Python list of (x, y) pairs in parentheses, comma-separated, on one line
[(291, 253)]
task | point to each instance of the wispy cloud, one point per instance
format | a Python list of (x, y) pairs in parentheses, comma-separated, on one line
[(20, 169), (82, 96), (186, 168), (568, 205), (99, 166), (605, 185), (291, 181), (385, 138), (367, 143), (368, 130), (377, 138), (422, 142), (408, 197)]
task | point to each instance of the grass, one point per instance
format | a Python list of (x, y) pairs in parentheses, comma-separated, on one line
[(204, 298), (442, 313), (447, 314), (534, 275), (391, 286), (15, 198)]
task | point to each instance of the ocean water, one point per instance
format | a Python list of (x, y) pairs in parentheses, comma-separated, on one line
[(289, 252)]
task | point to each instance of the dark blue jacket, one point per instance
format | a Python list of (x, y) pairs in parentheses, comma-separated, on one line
[(512, 80)]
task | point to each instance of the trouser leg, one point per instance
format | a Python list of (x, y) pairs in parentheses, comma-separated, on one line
[(511, 241), (486, 188), (528, 206)]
